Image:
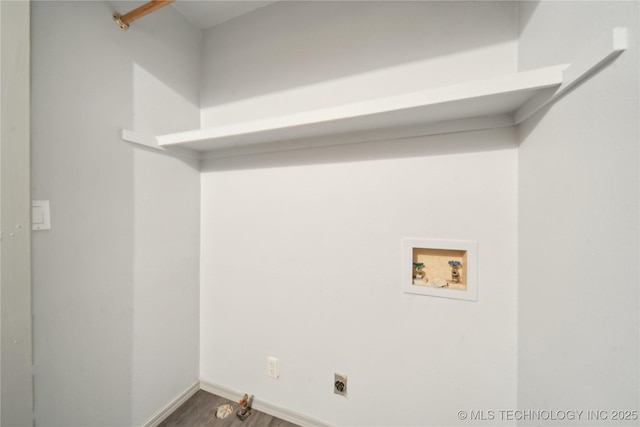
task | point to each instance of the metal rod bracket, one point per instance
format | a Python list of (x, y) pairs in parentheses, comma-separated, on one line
[(118, 20), (123, 21)]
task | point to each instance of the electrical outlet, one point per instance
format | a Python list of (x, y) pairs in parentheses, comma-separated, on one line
[(273, 367), (340, 384)]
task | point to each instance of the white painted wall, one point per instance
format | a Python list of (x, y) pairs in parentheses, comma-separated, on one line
[(301, 261), (578, 224), (116, 279), (296, 56), (301, 250), (167, 219), (16, 382)]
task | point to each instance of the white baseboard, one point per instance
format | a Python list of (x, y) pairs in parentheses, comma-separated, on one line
[(267, 408), (167, 410)]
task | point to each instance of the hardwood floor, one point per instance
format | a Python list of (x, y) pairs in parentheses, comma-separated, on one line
[(200, 410)]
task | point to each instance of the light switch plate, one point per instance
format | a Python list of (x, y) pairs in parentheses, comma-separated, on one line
[(40, 215)]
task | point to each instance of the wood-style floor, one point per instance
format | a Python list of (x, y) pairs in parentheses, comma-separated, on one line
[(200, 410)]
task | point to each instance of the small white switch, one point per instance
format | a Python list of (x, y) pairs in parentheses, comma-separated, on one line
[(40, 215), (273, 367)]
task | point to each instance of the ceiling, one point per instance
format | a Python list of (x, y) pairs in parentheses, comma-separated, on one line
[(207, 13)]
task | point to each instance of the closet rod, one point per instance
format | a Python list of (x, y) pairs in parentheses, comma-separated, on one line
[(124, 20)]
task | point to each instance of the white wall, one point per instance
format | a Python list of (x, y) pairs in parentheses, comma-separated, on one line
[(16, 397), (167, 219), (116, 278), (301, 250), (295, 56), (301, 261), (578, 225)]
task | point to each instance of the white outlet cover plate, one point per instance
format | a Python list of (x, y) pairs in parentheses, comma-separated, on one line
[(273, 367), (343, 378)]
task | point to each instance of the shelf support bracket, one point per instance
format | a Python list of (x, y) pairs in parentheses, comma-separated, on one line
[(584, 66)]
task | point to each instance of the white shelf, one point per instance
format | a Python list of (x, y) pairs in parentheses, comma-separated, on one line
[(489, 100), (491, 103)]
